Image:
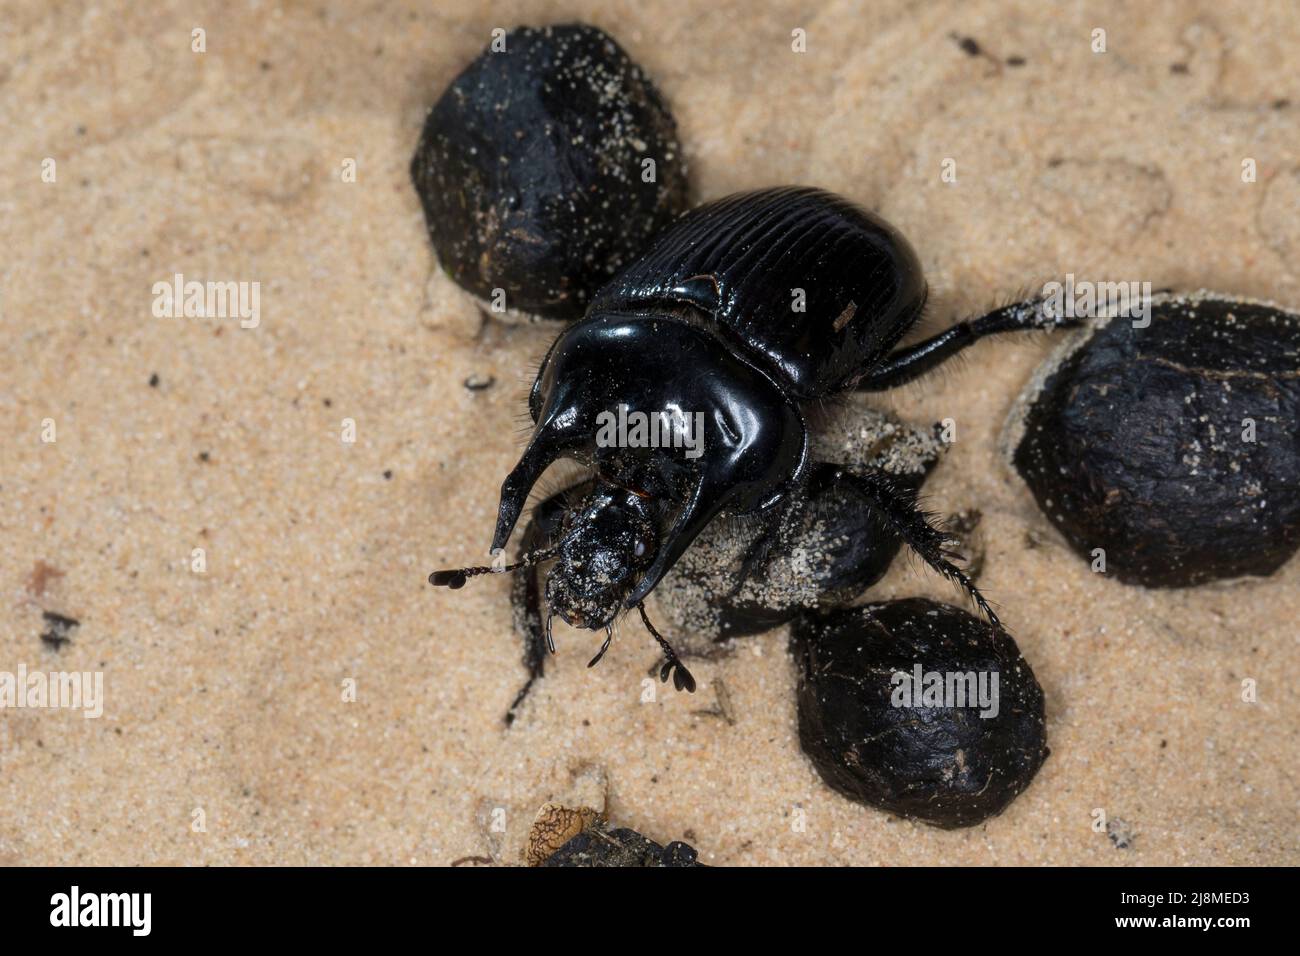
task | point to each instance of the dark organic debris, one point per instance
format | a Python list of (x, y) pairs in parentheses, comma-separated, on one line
[(1121, 834), (621, 847), (929, 758), (1173, 448), (58, 629), (478, 383), (532, 169)]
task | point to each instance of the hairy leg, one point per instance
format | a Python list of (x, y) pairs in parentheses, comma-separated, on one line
[(774, 526), (894, 504)]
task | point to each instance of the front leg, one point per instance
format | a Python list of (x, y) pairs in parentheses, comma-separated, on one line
[(894, 504), (526, 590), (914, 361), (773, 529)]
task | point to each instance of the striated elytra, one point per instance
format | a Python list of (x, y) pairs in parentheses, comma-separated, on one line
[(805, 283)]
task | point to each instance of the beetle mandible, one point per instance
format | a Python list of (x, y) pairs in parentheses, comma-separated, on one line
[(705, 323)]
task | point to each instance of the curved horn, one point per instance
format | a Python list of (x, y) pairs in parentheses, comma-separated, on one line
[(543, 449), (703, 506)]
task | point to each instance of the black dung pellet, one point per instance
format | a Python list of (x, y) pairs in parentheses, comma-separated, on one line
[(1175, 448), (547, 166), (900, 709)]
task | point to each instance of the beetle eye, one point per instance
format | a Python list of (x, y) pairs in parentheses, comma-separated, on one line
[(638, 548)]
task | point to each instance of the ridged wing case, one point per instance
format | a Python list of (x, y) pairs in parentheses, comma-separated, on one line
[(751, 260)]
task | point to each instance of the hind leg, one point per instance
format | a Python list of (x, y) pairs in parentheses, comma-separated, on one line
[(526, 590), (914, 361), (894, 505)]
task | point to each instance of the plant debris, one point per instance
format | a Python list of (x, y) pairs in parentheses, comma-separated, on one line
[(58, 630)]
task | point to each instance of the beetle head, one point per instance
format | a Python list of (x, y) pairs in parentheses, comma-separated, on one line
[(608, 548), (609, 539)]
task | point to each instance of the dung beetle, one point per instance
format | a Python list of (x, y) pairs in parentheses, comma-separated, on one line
[(746, 315)]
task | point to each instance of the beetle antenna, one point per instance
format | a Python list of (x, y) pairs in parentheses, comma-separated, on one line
[(456, 577), (682, 678)]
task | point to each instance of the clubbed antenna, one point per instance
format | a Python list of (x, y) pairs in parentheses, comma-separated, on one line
[(455, 578)]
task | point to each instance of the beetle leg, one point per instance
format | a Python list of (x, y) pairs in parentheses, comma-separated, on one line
[(609, 636), (894, 504), (907, 364), (526, 593), (682, 678), (773, 529)]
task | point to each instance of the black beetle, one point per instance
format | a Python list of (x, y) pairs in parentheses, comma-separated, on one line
[(751, 311)]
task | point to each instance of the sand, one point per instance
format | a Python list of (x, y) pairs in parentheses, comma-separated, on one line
[(229, 734)]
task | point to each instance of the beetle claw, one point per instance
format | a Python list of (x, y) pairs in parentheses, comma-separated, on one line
[(683, 680)]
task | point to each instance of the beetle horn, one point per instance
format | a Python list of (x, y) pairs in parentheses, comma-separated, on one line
[(543, 449), (703, 506)]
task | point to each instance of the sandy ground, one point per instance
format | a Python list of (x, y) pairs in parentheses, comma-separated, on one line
[(225, 690)]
